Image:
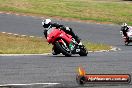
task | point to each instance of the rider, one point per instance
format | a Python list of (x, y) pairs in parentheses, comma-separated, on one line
[(48, 24), (124, 29)]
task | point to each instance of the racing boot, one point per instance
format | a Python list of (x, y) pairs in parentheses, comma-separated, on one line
[(54, 51)]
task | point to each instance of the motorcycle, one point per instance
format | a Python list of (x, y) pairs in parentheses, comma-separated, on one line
[(127, 39), (64, 43)]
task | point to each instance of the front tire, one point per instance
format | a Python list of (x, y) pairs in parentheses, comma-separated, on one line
[(59, 46), (83, 51)]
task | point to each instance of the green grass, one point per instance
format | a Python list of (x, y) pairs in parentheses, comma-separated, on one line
[(11, 44), (113, 11)]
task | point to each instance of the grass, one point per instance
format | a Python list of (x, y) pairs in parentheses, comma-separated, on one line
[(113, 11), (11, 44)]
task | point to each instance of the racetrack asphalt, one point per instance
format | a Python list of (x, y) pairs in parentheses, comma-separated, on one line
[(60, 69)]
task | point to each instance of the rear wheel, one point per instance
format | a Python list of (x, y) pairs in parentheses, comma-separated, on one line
[(63, 49)]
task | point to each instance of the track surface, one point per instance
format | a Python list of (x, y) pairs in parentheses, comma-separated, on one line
[(60, 69)]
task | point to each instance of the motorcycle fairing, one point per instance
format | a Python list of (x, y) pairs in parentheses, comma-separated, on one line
[(58, 34)]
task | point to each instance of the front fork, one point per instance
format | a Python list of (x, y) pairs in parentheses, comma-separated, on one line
[(74, 47)]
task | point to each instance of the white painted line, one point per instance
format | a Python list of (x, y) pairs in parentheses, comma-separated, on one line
[(103, 50), (40, 37), (24, 15), (8, 13), (3, 32), (17, 14), (16, 34), (31, 36), (51, 54), (24, 54), (23, 35), (29, 84), (1, 12), (9, 33), (115, 48), (42, 17), (33, 16)]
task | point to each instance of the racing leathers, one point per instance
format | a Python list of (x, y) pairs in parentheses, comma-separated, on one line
[(125, 30), (68, 30)]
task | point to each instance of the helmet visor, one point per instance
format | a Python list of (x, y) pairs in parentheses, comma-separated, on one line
[(46, 25)]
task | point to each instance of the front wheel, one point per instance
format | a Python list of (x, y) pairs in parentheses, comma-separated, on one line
[(63, 49), (83, 51)]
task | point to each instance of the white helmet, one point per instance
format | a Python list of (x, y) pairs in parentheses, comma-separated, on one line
[(46, 23), (124, 25)]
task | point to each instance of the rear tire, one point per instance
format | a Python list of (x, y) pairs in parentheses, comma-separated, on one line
[(62, 50)]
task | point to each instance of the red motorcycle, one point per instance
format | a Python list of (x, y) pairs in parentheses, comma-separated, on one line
[(64, 43)]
